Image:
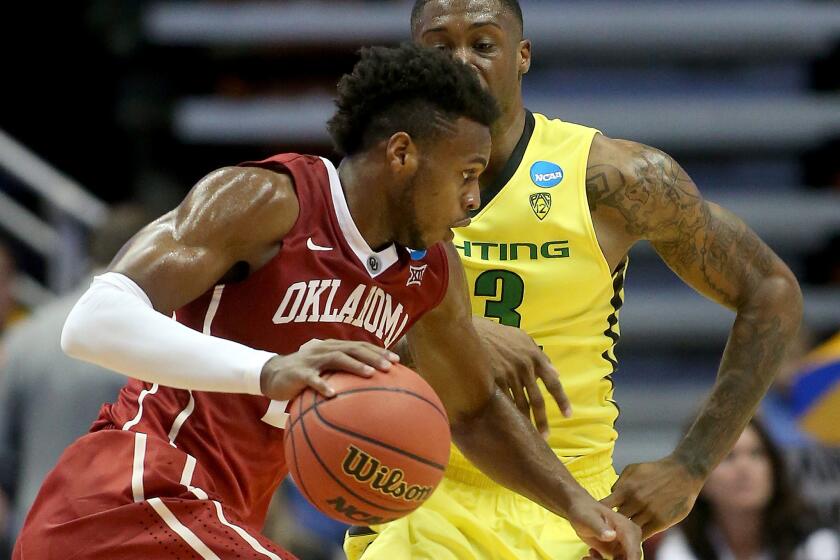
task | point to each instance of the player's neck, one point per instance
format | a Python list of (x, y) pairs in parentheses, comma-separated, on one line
[(505, 134), (366, 201)]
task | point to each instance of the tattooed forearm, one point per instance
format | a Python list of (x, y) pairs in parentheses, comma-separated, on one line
[(651, 197), (751, 358)]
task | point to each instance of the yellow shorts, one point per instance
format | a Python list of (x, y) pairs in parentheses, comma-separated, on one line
[(470, 518)]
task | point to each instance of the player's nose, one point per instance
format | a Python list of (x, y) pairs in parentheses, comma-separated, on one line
[(472, 199), (464, 54), (461, 54)]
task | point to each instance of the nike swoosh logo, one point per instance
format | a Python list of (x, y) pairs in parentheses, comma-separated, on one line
[(312, 247)]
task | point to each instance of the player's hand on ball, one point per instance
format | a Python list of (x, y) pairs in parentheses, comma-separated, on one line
[(608, 534), (655, 495), (283, 377), (517, 363)]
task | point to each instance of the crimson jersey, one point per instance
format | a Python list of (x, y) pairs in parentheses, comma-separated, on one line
[(325, 282)]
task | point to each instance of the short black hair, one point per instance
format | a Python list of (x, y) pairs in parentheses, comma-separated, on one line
[(405, 89), (512, 5)]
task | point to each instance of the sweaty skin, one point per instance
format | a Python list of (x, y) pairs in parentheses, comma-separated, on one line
[(635, 193), (235, 219)]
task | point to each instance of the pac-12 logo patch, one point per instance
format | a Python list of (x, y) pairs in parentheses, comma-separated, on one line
[(540, 204), (546, 174)]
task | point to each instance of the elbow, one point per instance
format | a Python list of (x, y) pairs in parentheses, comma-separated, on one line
[(71, 339), (788, 296), (75, 339), (779, 295), (464, 417)]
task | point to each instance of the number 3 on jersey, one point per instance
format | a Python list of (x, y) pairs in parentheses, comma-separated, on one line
[(507, 288)]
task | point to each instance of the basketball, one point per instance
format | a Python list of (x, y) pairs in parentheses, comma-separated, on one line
[(372, 453)]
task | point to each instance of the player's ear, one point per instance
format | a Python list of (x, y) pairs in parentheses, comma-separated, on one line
[(401, 154), (524, 57)]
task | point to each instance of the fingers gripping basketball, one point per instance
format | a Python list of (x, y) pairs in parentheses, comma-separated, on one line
[(374, 452)]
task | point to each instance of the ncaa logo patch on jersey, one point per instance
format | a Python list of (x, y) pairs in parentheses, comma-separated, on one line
[(417, 254), (540, 204), (546, 174)]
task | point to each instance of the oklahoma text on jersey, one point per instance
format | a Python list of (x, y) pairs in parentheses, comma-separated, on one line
[(377, 313)]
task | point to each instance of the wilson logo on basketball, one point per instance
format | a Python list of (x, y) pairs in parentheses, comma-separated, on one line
[(370, 470)]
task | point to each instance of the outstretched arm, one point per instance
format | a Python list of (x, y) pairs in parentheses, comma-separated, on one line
[(492, 433), (644, 194), (234, 216)]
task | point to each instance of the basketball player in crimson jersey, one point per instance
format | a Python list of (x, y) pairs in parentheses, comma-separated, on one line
[(273, 272)]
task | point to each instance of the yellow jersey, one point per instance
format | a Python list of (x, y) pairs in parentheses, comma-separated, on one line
[(533, 261)]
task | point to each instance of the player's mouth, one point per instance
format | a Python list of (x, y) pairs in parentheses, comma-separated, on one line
[(462, 223)]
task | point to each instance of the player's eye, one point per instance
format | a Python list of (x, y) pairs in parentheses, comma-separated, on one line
[(484, 46)]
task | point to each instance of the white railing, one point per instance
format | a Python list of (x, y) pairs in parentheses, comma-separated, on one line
[(59, 238)]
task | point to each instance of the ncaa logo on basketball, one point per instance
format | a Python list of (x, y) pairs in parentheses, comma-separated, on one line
[(415, 275), (546, 174)]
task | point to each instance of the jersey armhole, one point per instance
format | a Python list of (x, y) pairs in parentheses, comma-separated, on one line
[(587, 214)]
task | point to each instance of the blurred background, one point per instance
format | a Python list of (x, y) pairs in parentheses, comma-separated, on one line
[(109, 103)]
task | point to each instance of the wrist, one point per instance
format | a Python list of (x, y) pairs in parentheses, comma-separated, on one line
[(575, 499), (266, 374), (695, 467), (570, 496)]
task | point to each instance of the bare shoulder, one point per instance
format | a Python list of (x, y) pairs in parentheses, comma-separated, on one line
[(639, 187), (237, 204), (233, 215)]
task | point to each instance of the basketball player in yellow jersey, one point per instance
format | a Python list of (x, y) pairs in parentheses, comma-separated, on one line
[(547, 251)]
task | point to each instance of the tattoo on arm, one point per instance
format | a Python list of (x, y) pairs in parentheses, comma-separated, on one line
[(710, 248), (647, 192), (752, 355)]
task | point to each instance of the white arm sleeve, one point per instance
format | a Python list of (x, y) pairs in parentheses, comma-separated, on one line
[(115, 326)]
